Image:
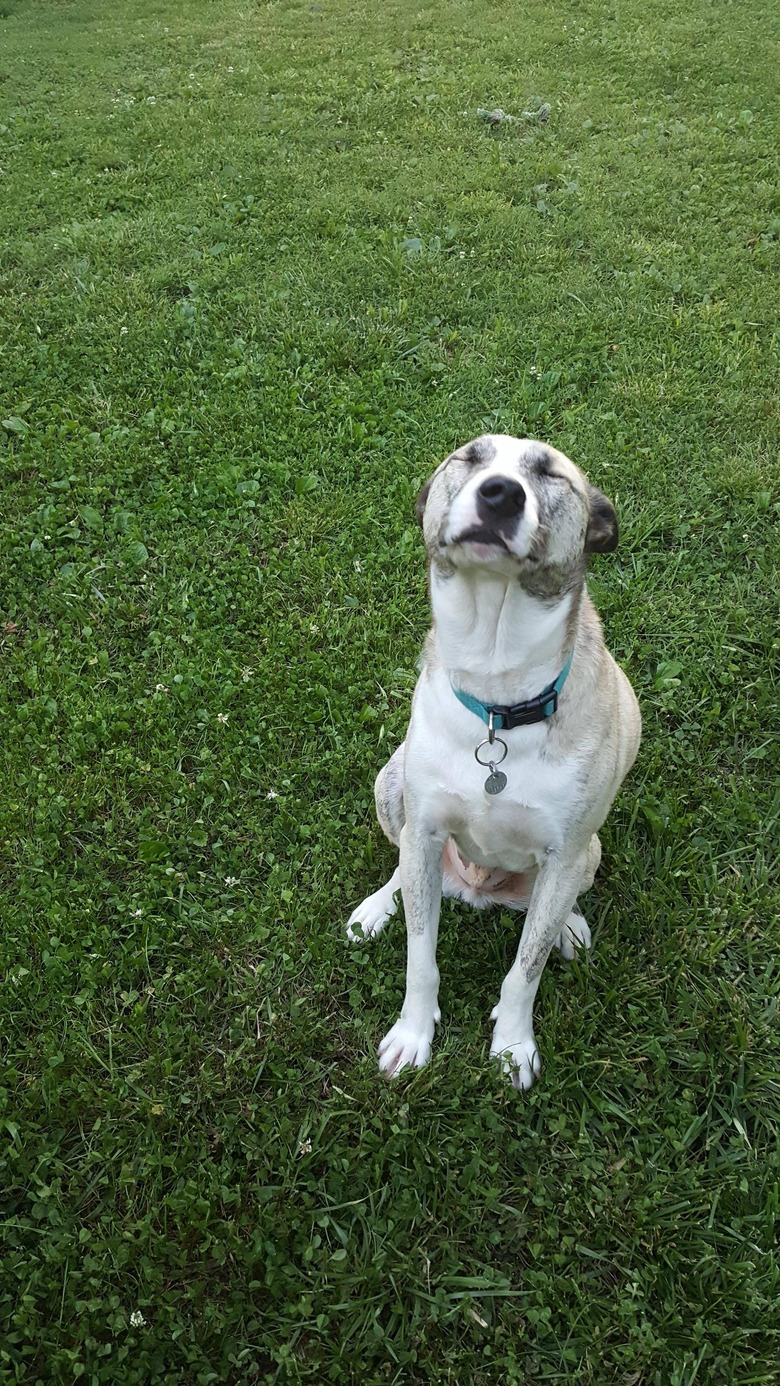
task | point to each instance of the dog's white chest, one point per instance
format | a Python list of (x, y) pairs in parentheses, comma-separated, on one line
[(512, 829)]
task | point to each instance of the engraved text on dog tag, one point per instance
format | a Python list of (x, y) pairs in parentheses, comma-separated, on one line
[(495, 782)]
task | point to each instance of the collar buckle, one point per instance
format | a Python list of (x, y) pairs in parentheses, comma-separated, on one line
[(503, 717), (536, 709)]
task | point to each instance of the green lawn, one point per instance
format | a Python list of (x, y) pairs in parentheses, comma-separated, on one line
[(262, 267)]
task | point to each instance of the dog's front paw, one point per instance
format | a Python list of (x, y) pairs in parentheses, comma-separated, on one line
[(574, 935), (520, 1061), (407, 1045)]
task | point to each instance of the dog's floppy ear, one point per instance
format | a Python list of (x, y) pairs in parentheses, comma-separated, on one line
[(601, 535), (422, 501)]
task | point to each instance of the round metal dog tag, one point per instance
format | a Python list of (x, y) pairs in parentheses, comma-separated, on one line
[(495, 782)]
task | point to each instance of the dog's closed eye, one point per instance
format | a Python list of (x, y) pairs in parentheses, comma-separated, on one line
[(478, 453)]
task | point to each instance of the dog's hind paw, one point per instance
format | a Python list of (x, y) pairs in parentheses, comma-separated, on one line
[(369, 919), (405, 1046), (520, 1062), (574, 935)]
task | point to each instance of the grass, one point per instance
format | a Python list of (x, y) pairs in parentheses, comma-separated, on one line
[(262, 267)]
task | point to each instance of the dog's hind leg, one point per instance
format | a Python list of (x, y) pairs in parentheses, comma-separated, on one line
[(371, 916), (591, 865), (389, 795), (575, 933)]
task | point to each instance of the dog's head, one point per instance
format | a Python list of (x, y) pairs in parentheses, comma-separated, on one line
[(518, 507)]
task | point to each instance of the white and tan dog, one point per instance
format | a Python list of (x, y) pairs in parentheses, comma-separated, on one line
[(522, 729)]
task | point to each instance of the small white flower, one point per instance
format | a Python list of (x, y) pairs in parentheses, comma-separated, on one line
[(231, 880), (272, 794), (137, 1319), (358, 566), (314, 628), (230, 69), (246, 674), (304, 1148), (160, 688), (222, 717), (137, 914), (123, 331)]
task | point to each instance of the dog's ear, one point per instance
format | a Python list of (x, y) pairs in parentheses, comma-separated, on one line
[(422, 501), (601, 535)]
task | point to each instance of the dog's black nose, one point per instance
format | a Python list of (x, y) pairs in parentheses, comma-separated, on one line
[(501, 497)]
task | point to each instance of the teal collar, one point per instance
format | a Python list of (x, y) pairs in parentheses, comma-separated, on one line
[(504, 717)]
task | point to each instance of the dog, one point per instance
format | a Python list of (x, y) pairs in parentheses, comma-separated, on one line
[(522, 730)]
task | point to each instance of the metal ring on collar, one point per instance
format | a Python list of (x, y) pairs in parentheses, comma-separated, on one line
[(491, 748)]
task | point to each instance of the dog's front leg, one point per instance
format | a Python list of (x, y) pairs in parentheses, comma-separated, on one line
[(554, 893), (409, 1041)]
